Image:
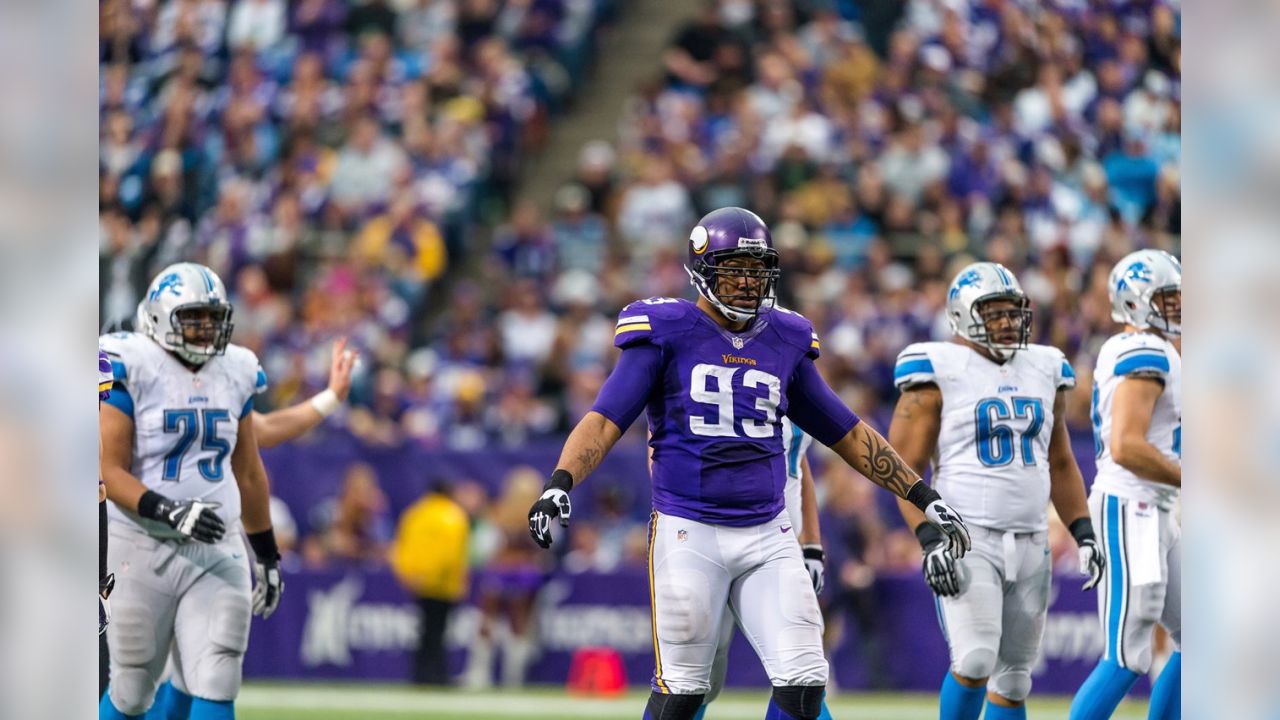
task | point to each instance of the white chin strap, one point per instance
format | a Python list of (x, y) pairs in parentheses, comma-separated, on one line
[(729, 312)]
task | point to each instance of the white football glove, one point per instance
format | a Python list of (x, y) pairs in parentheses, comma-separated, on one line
[(268, 586), (815, 563), (943, 517), (1092, 562)]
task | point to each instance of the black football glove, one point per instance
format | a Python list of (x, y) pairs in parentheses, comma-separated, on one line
[(815, 562), (268, 585), (554, 503), (195, 519), (104, 605), (940, 569), (942, 516)]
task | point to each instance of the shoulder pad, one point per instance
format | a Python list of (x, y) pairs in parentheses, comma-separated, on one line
[(1140, 355), (647, 320), (1055, 363), (122, 349), (914, 366), (796, 330), (247, 366)]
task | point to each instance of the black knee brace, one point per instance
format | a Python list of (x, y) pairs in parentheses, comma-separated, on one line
[(673, 707), (802, 702)]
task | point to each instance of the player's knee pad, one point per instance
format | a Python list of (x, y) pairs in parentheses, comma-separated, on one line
[(132, 639), (665, 706), (977, 664), (803, 702), (1012, 684), (216, 675), (683, 605)]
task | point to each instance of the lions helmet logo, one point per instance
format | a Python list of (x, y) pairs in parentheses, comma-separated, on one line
[(970, 278), (698, 238), (171, 282), (1137, 272)]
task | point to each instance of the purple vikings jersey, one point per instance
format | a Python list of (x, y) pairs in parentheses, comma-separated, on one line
[(715, 411), (105, 376)]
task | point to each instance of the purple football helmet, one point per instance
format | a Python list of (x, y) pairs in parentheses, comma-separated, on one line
[(725, 234)]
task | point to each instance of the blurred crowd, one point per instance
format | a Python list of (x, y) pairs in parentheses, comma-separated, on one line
[(336, 162), (330, 161)]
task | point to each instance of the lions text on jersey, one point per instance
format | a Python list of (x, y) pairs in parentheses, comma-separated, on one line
[(992, 456), (1138, 355), (185, 422)]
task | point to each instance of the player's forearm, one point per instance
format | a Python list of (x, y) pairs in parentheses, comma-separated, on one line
[(870, 454), (123, 488), (811, 533), (1066, 489), (1143, 459), (255, 494), (587, 445), (283, 425)]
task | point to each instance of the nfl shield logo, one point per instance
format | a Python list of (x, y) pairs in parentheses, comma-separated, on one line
[(681, 535), (737, 343)]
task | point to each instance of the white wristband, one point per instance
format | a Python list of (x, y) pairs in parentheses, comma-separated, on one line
[(326, 402)]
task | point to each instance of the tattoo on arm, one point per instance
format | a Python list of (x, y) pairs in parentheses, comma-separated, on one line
[(885, 467), (908, 405), (589, 458)]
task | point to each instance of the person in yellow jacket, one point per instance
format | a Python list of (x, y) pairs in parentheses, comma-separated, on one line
[(429, 557)]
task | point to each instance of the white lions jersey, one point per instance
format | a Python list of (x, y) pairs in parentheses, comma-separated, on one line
[(1138, 355), (795, 443), (992, 458), (184, 423)]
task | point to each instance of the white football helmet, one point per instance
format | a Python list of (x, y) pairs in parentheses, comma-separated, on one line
[(1135, 284), (186, 312), (979, 283)]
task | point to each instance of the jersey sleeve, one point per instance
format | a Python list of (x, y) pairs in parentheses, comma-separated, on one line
[(248, 377), (914, 367), (652, 321), (635, 326), (1142, 359), (1064, 378)]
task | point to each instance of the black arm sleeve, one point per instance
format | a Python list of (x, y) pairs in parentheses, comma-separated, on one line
[(816, 408), (626, 392)]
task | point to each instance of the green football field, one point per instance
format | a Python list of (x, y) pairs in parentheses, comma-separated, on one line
[(387, 702)]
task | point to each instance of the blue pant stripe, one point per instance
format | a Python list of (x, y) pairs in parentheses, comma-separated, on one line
[(1118, 597)]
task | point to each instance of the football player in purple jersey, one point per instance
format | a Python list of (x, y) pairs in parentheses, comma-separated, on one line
[(716, 377)]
